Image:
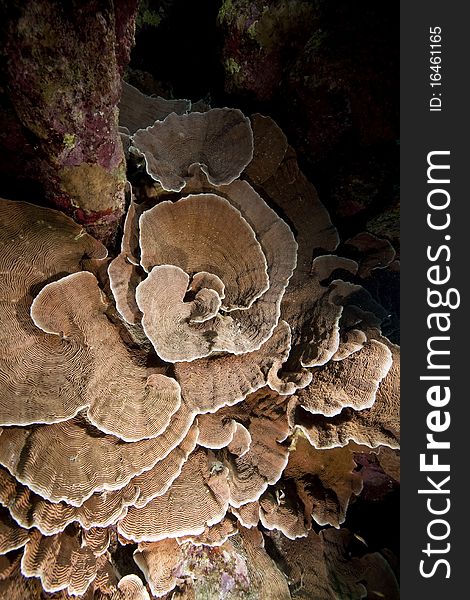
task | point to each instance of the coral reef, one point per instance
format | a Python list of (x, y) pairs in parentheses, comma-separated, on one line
[(192, 417)]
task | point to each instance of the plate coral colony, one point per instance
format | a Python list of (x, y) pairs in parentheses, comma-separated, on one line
[(192, 417)]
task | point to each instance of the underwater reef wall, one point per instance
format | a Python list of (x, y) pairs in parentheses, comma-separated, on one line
[(60, 83)]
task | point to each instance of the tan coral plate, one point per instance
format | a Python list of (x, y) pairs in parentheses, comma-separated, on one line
[(200, 401)]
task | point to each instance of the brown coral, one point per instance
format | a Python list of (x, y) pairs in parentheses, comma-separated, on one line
[(219, 140), (218, 393)]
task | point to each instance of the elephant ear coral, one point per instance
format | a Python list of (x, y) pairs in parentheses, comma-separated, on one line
[(322, 566), (169, 516), (64, 561), (242, 242), (219, 140), (32, 510), (138, 111), (87, 460), (206, 233), (199, 393), (325, 481), (12, 536), (373, 427), (327, 397), (131, 587), (158, 561), (41, 373), (134, 406)]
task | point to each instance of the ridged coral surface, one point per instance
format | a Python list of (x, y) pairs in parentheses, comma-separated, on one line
[(206, 389)]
